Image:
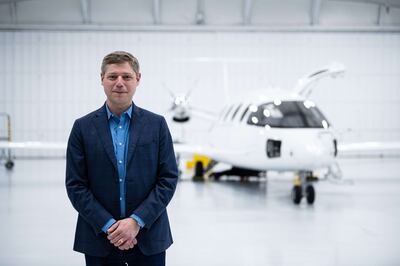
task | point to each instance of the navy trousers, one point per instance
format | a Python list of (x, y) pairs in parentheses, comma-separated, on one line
[(132, 257)]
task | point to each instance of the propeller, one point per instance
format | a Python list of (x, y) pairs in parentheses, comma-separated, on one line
[(180, 105)]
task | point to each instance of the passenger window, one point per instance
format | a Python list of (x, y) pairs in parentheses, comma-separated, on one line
[(229, 110), (237, 109), (244, 112), (221, 115)]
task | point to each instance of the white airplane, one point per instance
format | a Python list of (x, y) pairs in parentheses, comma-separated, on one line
[(7, 145), (273, 130), (267, 130)]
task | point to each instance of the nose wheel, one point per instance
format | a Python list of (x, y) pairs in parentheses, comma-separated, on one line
[(296, 194), (303, 188), (310, 194)]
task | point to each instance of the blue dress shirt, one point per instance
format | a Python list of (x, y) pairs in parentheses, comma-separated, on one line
[(119, 127)]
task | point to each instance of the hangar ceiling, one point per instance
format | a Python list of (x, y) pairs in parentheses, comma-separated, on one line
[(200, 14)]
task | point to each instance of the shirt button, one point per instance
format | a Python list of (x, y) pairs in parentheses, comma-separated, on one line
[(120, 161), (120, 198), (120, 127), (120, 144), (120, 180)]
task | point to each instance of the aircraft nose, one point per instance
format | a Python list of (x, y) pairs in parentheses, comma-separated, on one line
[(318, 151)]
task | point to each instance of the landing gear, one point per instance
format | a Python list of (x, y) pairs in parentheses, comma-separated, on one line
[(198, 171), (310, 194), (303, 188), (296, 194), (8, 158), (9, 165), (215, 176)]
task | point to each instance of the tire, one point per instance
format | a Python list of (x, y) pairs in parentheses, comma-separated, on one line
[(215, 176), (198, 172), (296, 194), (310, 194), (9, 165)]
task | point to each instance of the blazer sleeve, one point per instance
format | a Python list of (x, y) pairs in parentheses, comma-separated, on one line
[(167, 177), (77, 183)]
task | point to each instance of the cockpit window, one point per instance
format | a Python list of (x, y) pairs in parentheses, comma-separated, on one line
[(288, 114)]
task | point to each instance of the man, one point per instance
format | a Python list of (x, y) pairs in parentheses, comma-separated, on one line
[(121, 174)]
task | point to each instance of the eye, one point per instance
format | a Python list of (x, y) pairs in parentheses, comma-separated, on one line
[(127, 77), (112, 77)]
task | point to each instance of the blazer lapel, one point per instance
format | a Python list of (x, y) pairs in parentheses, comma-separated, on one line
[(103, 130), (137, 124)]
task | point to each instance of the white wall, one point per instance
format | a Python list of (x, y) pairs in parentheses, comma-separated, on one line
[(48, 79)]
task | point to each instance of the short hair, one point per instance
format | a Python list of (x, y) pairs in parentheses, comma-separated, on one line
[(120, 57)]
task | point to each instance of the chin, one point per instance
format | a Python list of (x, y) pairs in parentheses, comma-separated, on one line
[(122, 101)]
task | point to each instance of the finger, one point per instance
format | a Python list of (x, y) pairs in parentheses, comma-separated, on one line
[(134, 241), (118, 241), (121, 242), (116, 234), (113, 227), (114, 238), (125, 246)]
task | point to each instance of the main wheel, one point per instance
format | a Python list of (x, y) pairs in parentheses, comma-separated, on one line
[(198, 172), (9, 165), (310, 194), (215, 176), (296, 194)]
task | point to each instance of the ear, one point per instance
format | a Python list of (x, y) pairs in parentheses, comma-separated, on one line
[(138, 76), (101, 77)]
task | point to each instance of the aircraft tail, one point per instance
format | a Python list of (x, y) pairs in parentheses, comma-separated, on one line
[(306, 84)]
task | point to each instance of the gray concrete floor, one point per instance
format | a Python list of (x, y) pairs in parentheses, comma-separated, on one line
[(225, 223)]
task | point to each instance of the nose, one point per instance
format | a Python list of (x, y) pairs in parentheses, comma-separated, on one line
[(119, 81)]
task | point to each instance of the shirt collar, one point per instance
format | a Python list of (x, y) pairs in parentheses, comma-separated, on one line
[(128, 112)]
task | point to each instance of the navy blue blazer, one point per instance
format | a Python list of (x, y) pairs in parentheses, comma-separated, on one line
[(93, 187)]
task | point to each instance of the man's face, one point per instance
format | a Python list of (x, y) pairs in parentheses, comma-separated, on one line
[(120, 82)]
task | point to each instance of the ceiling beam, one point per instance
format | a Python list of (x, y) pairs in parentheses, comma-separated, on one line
[(13, 12), (387, 3), (85, 10), (156, 11), (12, 1), (379, 16), (200, 16), (247, 11), (195, 28), (315, 12)]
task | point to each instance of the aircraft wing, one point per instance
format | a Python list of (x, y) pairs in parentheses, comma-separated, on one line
[(369, 149), (33, 145)]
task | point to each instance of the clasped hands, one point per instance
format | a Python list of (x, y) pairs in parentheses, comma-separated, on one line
[(122, 233)]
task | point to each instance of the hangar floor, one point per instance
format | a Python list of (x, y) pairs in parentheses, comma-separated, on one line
[(225, 223)]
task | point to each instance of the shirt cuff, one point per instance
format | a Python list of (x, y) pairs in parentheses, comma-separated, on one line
[(138, 220), (108, 225)]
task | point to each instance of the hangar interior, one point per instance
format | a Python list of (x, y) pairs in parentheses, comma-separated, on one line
[(51, 53)]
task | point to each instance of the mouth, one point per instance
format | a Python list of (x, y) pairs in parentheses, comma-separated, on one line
[(119, 92)]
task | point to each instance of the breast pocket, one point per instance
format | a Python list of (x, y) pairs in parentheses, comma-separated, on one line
[(147, 150), (146, 157)]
